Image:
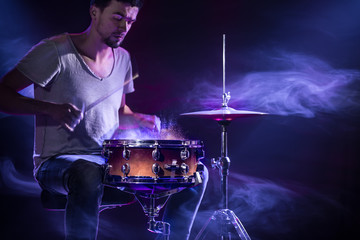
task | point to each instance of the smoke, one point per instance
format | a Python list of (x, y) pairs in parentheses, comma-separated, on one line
[(116, 227), (169, 131), (305, 86), (15, 182), (270, 210), (11, 51)]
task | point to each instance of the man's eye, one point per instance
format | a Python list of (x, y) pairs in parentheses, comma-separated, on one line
[(118, 17), (128, 20)]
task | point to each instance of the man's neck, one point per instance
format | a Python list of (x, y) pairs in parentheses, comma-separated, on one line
[(90, 46)]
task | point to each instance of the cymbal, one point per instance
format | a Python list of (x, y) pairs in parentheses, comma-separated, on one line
[(224, 113)]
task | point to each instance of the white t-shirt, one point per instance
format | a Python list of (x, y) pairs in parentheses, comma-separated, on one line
[(60, 75)]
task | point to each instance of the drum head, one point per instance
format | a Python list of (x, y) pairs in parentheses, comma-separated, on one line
[(152, 143)]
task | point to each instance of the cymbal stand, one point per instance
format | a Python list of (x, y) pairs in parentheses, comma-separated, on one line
[(225, 217), (152, 211)]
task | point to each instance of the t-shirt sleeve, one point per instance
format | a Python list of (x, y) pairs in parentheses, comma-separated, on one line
[(129, 83), (41, 64)]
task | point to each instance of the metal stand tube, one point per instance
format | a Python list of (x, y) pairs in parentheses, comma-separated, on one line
[(152, 211), (224, 163), (224, 219)]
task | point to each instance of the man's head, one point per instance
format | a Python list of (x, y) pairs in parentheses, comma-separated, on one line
[(104, 3), (112, 19)]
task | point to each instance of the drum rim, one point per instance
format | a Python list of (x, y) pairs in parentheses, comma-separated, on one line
[(149, 143)]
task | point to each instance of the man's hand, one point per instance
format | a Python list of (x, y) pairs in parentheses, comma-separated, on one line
[(151, 122), (68, 115), (131, 120)]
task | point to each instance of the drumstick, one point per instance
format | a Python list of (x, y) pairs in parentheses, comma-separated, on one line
[(90, 106), (85, 109), (135, 75)]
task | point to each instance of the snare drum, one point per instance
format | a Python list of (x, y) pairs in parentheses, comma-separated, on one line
[(152, 166)]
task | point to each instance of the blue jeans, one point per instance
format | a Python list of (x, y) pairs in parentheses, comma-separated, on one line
[(81, 179)]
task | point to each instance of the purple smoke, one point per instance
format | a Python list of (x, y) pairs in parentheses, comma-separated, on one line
[(13, 49), (11, 55), (268, 209), (15, 182), (304, 86)]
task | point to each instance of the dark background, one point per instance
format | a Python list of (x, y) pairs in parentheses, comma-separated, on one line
[(292, 176)]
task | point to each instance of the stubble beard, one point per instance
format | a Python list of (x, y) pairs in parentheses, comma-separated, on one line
[(112, 43)]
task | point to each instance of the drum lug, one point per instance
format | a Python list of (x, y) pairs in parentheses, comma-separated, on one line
[(184, 154), (125, 169), (156, 169), (106, 153), (184, 168), (126, 153), (156, 154)]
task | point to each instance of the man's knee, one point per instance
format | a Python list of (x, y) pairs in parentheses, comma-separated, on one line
[(84, 176)]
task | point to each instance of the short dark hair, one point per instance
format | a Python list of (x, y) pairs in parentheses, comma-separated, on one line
[(102, 4)]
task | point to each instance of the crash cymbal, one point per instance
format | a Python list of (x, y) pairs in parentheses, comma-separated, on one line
[(224, 113)]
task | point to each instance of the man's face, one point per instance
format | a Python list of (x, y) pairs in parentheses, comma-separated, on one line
[(114, 22)]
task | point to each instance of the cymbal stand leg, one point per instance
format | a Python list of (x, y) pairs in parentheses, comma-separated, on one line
[(152, 211)]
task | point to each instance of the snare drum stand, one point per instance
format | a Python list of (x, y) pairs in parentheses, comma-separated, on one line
[(225, 217), (152, 211)]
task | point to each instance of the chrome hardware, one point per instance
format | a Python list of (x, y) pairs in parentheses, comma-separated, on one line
[(125, 169), (156, 168), (126, 153), (159, 227), (172, 167), (156, 153), (184, 168), (214, 163), (106, 153), (184, 154), (198, 178), (226, 98)]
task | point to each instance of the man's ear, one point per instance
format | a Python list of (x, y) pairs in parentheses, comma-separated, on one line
[(94, 11)]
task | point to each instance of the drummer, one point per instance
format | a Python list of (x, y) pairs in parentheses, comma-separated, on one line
[(80, 83)]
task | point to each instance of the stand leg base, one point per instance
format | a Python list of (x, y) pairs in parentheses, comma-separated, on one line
[(223, 219), (160, 227)]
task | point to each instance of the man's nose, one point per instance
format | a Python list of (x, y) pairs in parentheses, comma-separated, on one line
[(124, 25)]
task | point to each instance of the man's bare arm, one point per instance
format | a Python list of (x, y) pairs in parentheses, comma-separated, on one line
[(12, 102)]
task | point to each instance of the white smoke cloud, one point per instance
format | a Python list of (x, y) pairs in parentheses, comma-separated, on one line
[(169, 131), (304, 86)]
